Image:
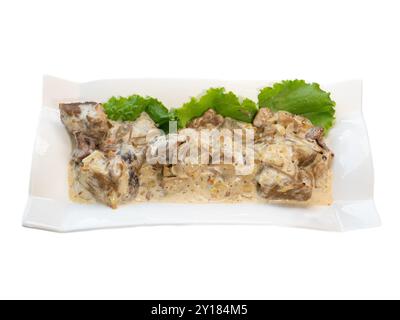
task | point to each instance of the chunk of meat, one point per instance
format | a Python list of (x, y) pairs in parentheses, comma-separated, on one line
[(109, 166), (107, 154), (281, 122), (120, 132), (132, 155), (263, 117), (110, 180), (304, 154), (87, 124), (276, 185), (280, 156), (232, 124), (137, 132), (317, 134), (164, 149), (84, 145), (87, 118), (292, 164), (209, 120), (143, 126)]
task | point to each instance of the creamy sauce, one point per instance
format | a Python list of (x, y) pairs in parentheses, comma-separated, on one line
[(281, 154), (205, 189)]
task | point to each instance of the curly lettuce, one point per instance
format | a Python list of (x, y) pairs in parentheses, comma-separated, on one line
[(130, 108), (224, 103), (294, 96), (299, 97)]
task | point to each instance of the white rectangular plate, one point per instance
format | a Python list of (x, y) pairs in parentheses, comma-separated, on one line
[(49, 206)]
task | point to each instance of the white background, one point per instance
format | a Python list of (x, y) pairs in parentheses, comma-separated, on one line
[(87, 40)]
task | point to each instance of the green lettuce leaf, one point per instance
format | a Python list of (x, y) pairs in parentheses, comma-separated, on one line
[(190, 110), (124, 108), (294, 96), (130, 108), (299, 97), (157, 111), (226, 104)]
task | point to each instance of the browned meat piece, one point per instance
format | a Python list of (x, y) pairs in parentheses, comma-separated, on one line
[(87, 124), (132, 132), (317, 134), (209, 120), (293, 156), (108, 154), (120, 132), (281, 122), (276, 185), (130, 139), (282, 176), (110, 180), (132, 155), (304, 155), (263, 117), (84, 146), (87, 118), (73, 109), (292, 167)]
